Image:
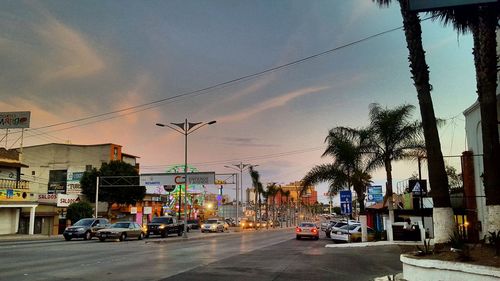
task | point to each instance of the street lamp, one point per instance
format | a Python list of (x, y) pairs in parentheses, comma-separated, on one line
[(186, 129), (239, 167)]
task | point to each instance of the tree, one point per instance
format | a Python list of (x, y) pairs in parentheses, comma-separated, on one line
[(125, 191), (393, 137), (258, 188), (78, 210), (482, 22), (271, 192), (349, 148), (443, 214)]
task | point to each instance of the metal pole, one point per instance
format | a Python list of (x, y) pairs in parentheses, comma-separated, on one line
[(241, 182), (21, 149), (96, 196), (185, 176), (237, 204)]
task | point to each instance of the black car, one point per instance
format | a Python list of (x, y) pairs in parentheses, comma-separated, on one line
[(193, 224), (164, 226), (85, 228)]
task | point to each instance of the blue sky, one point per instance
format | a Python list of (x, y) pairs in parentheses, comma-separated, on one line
[(68, 60)]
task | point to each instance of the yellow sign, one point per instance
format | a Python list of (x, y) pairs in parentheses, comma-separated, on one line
[(16, 195)]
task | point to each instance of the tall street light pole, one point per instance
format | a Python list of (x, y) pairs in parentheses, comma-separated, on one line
[(186, 128), (239, 167)]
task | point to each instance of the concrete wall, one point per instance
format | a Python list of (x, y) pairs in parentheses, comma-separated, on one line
[(9, 218), (41, 159)]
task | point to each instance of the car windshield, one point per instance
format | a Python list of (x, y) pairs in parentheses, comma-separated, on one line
[(120, 225), (160, 220), (211, 221), (84, 222), (307, 224)]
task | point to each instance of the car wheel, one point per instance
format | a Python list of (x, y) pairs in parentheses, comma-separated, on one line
[(179, 233), (87, 236), (147, 235), (141, 236), (123, 236), (164, 234), (67, 238), (316, 238), (203, 231), (327, 234), (102, 239), (298, 237)]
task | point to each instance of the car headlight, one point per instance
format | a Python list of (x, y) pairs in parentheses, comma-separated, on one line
[(213, 226), (202, 226), (161, 227), (80, 229)]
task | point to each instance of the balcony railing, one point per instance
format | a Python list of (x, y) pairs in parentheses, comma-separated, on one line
[(14, 184)]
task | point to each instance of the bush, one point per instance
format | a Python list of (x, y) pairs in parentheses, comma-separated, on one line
[(494, 240), (79, 210)]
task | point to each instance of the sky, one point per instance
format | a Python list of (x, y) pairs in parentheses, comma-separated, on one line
[(68, 60)]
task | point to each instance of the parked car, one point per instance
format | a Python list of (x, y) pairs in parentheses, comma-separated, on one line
[(85, 228), (351, 233), (337, 225), (121, 231), (246, 224), (230, 221), (307, 229), (193, 224), (164, 226), (214, 225)]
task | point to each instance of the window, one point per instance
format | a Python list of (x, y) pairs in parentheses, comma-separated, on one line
[(115, 153)]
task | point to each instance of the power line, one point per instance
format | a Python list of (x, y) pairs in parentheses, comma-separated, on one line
[(207, 90)]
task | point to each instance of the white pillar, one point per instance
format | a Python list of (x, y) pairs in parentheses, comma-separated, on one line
[(17, 216), (364, 228), (32, 221)]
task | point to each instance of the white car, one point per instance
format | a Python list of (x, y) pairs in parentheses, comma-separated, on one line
[(351, 233)]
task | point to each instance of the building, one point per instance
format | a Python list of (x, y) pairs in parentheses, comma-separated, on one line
[(54, 171), (15, 194), (473, 133)]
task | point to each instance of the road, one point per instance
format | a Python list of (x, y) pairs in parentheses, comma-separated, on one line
[(260, 255)]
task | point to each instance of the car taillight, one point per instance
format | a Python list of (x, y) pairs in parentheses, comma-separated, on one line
[(314, 230), (298, 229)]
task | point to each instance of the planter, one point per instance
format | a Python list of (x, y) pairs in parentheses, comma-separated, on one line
[(428, 269)]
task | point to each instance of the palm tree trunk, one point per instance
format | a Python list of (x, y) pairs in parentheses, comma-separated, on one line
[(485, 59), (438, 181), (389, 191)]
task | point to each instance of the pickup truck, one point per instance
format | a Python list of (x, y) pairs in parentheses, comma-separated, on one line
[(164, 226)]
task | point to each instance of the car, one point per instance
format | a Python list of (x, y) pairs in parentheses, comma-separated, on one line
[(214, 225), (193, 224), (164, 226), (337, 225), (246, 224), (121, 231), (85, 228), (351, 233), (307, 229)]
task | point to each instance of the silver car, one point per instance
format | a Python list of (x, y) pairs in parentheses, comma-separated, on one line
[(214, 225)]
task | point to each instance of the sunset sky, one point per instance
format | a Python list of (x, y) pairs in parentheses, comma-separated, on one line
[(68, 60)]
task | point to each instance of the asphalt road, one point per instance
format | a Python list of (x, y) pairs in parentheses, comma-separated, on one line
[(262, 255)]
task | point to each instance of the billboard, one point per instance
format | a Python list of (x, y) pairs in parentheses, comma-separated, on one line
[(159, 180), (15, 120), (428, 5)]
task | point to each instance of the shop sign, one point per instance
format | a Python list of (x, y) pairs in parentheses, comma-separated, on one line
[(64, 200), (16, 195), (133, 210), (47, 198), (147, 210)]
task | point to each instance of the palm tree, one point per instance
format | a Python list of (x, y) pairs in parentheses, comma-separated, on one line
[(257, 185), (351, 166), (272, 191), (438, 180), (287, 196), (482, 22), (393, 137)]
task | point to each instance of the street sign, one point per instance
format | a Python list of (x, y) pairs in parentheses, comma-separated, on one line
[(375, 194), (428, 5), (418, 187), (345, 202)]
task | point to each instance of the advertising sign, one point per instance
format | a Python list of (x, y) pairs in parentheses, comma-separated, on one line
[(15, 120), (73, 182), (345, 202), (47, 198), (176, 179), (16, 195), (64, 200), (375, 194), (147, 210)]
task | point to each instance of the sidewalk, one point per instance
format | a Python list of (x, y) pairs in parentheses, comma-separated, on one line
[(372, 244), (26, 237)]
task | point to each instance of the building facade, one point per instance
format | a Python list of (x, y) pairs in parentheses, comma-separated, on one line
[(15, 194), (54, 171)]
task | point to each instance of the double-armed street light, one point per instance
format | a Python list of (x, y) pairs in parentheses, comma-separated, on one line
[(186, 128), (239, 167)]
